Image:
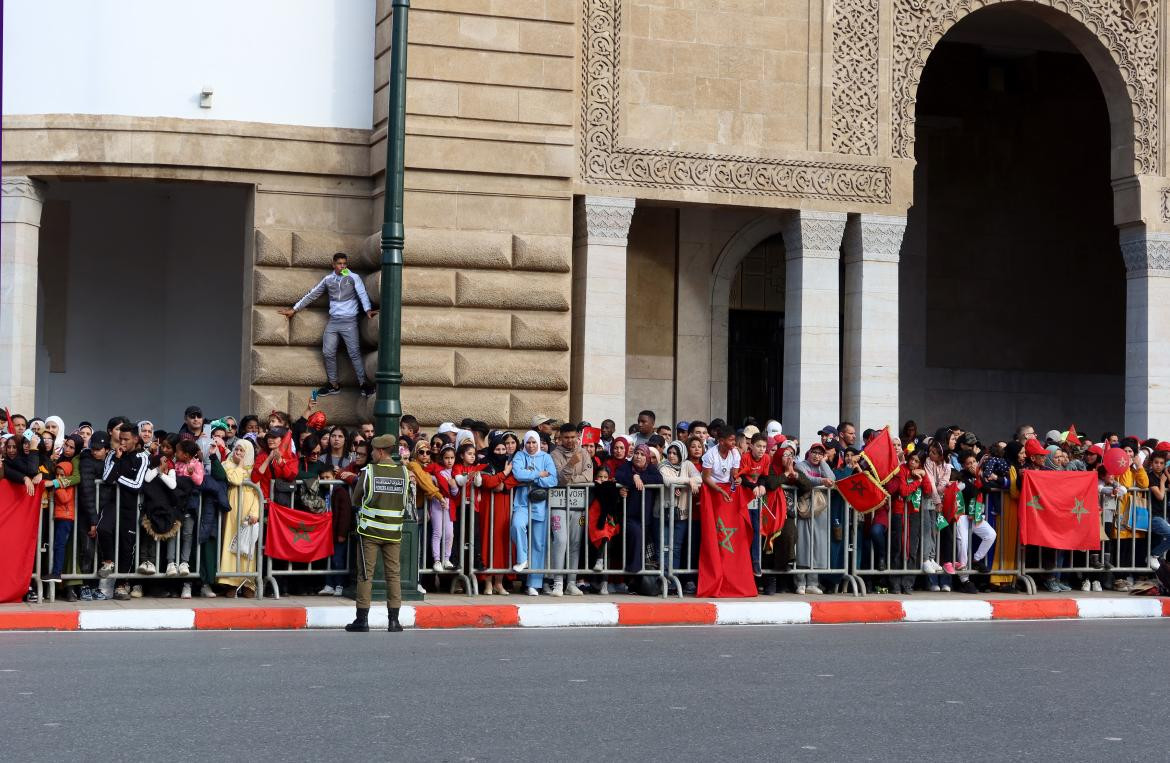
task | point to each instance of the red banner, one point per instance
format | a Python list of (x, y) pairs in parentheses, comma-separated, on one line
[(862, 492), (882, 455), (1060, 510), (19, 513), (298, 536), (725, 551)]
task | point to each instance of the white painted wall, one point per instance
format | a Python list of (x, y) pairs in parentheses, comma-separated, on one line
[(302, 62)]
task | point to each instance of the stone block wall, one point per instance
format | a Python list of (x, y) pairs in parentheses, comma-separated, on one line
[(485, 324)]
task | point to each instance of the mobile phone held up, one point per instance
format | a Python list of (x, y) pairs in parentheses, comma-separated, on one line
[(313, 396)]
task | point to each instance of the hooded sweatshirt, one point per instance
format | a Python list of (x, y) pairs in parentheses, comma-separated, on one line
[(63, 507)]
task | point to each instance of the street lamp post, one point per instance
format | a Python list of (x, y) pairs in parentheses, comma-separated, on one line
[(388, 403)]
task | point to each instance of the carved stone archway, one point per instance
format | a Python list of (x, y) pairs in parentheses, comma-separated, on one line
[(1118, 38)]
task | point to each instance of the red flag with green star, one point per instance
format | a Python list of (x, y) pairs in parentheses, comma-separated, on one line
[(725, 545), (1060, 510), (298, 536)]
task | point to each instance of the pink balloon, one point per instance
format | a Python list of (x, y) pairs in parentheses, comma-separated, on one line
[(1116, 461)]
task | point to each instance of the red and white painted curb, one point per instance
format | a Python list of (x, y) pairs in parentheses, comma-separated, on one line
[(592, 614)]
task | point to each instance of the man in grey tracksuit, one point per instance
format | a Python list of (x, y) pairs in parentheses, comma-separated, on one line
[(346, 291)]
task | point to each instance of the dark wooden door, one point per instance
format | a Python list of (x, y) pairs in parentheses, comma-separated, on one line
[(755, 365)]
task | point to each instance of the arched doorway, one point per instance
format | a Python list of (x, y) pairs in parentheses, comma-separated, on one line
[(1012, 284)]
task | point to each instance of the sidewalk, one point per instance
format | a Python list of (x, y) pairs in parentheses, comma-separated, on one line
[(452, 611)]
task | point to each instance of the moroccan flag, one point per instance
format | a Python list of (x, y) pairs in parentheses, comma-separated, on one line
[(881, 454), (608, 529), (862, 492), (773, 512), (725, 552), (298, 536), (19, 514), (1060, 510), (1071, 436)]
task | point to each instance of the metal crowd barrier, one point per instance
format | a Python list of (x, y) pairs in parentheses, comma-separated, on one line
[(458, 575), (85, 562), (811, 539), (598, 564), (912, 539), (274, 569)]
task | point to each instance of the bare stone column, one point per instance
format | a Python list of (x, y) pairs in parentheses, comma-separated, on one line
[(598, 373), (20, 227), (812, 301), (1147, 332), (869, 396)]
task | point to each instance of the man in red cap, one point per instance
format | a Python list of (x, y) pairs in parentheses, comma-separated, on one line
[(1036, 453)]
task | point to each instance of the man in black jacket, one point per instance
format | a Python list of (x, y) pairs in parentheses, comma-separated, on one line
[(125, 471)]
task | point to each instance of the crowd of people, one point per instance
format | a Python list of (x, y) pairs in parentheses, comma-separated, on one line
[(191, 484)]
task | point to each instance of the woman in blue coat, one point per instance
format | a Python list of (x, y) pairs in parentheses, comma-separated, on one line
[(533, 468)]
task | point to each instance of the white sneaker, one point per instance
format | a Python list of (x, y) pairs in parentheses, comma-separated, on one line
[(519, 566), (146, 568), (172, 570), (1154, 564), (934, 588), (448, 566), (437, 566), (326, 591), (106, 570), (136, 592), (558, 589), (1086, 586), (184, 568), (800, 590), (945, 588), (338, 591), (421, 589), (813, 589), (531, 591), (599, 565), (1096, 586), (575, 591), (186, 594), (207, 592), (603, 590)]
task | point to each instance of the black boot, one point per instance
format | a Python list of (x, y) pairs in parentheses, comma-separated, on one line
[(361, 623), (395, 626)]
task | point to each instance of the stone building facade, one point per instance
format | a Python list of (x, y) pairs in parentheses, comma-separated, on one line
[(947, 210)]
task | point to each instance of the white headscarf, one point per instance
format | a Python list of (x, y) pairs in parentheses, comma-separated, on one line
[(530, 435), (250, 458), (59, 441)]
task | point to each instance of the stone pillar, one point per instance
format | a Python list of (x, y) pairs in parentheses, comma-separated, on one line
[(1147, 332), (20, 227), (597, 382), (812, 366), (869, 390)]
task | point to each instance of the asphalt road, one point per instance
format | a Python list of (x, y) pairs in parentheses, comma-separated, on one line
[(1074, 690)]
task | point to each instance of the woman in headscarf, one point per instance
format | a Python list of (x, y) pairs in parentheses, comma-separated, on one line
[(56, 427), (619, 453), (812, 532), (245, 511), (534, 470), (679, 474), (635, 476), (493, 512), (1007, 545)]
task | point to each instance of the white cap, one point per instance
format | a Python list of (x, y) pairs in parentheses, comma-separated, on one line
[(773, 428), (446, 427), (539, 419)]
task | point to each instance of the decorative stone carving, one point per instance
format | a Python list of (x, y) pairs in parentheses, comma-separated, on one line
[(1146, 252), (1166, 204), (814, 234), (20, 185), (603, 219), (1128, 29), (604, 160), (876, 238), (855, 77)]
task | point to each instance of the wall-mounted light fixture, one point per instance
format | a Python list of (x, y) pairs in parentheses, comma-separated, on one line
[(205, 97)]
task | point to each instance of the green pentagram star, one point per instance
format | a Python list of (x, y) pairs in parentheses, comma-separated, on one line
[(727, 533), (1035, 503), (301, 533), (1079, 510)]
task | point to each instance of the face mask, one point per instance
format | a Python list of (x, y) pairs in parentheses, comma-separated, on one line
[(345, 271)]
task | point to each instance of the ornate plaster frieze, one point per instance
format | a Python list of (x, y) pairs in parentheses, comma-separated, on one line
[(604, 160), (855, 77), (1127, 28)]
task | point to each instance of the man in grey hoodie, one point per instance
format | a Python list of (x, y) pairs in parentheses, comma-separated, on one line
[(568, 506)]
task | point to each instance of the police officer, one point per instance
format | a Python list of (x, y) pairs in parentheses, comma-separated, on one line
[(381, 498)]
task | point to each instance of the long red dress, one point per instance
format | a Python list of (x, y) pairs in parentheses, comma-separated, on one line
[(494, 518)]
